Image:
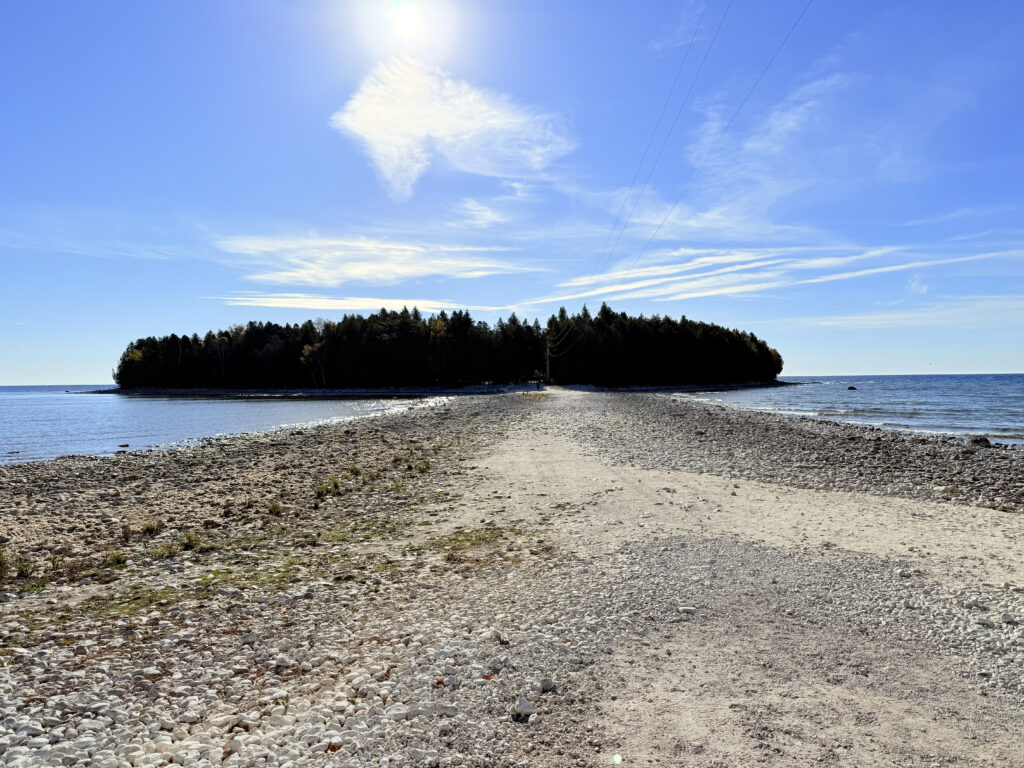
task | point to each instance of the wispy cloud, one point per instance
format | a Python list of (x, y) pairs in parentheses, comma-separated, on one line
[(475, 214), (971, 212), (331, 261), (85, 244), (960, 311), (684, 30), (917, 286), (406, 112), (316, 301), (750, 275)]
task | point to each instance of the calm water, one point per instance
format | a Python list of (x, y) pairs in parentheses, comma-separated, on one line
[(44, 422), (990, 404)]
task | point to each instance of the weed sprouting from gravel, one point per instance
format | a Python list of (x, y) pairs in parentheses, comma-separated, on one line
[(25, 567), (165, 550), (331, 488), (152, 527), (275, 508), (115, 559)]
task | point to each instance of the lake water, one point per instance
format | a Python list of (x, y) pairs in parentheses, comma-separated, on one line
[(985, 404), (44, 422)]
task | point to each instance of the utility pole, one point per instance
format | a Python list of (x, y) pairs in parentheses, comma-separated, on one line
[(547, 359)]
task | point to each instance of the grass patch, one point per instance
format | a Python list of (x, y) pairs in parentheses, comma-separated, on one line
[(534, 395), (24, 567), (274, 508), (471, 547), (276, 577), (331, 488), (137, 599), (189, 542), (115, 559), (152, 527), (165, 550), (460, 541)]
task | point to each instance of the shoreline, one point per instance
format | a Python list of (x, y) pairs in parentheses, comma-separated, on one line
[(381, 393), (474, 583), (408, 392), (961, 436)]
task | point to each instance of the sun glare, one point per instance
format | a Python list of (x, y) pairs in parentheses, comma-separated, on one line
[(426, 29)]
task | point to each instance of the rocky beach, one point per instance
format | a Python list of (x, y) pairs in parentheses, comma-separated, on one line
[(559, 578)]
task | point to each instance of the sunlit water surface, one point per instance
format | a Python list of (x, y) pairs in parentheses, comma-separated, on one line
[(984, 404), (49, 421)]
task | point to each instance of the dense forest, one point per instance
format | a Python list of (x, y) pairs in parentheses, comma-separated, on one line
[(399, 349)]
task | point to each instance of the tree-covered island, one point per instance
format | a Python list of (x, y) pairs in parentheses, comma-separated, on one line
[(404, 349)]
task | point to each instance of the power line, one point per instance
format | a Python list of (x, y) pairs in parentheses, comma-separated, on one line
[(657, 125), (726, 128), (668, 136), (572, 321)]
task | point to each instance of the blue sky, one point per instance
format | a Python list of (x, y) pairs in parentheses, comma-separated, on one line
[(179, 166)]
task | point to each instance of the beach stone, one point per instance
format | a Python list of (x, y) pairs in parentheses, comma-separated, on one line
[(522, 710)]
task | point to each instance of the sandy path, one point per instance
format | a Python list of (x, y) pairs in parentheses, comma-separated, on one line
[(764, 674)]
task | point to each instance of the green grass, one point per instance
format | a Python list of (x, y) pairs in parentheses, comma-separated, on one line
[(188, 542), (331, 488), (24, 567), (137, 599), (476, 546), (460, 541), (164, 550), (115, 559)]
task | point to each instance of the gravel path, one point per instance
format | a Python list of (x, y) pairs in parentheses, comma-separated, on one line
[(566, 579)]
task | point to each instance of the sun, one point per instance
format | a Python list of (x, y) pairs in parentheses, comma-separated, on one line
[(426, 29)]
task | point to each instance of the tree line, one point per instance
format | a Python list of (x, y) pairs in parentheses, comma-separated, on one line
[(400, 349)]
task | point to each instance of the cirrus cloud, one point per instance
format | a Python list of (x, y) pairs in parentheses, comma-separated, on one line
[(316, 301), (331, 261)]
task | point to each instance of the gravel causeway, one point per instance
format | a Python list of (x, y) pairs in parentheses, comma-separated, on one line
[(560, 578)]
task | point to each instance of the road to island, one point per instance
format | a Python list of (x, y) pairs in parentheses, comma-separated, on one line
[(560, 578)]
